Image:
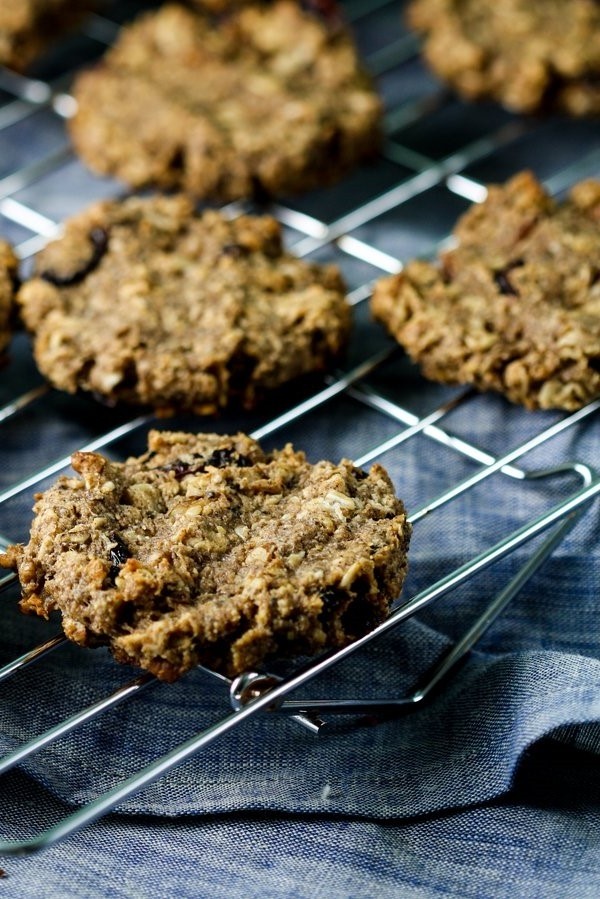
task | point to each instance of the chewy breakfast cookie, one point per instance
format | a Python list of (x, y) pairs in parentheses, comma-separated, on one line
[(28, 26), (269, 99), (145, 301), (208, 550), (515, 307), (527, 55), (8, 284)]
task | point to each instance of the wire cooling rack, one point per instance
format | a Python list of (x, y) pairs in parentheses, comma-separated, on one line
[(438, 155)]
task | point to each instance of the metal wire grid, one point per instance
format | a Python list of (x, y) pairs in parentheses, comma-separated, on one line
[(453, 173)]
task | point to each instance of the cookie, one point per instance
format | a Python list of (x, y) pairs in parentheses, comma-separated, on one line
[(528, 56), (209, 550), (144, 301), (8, 285), (515, 307), (28, 26), (268, 99)]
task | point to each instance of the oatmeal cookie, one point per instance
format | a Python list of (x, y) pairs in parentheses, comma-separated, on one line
[(515, 307), (268, 99), (28, 26), (528, 56), (145, 301), (208, 550), (8, 285)]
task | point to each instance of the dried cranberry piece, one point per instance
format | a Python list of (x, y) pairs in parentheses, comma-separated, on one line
[(504, 285), (119, 553), (235, 250), (332, 598), (98, 238), (219, 458), (502, 280), (179, 468)]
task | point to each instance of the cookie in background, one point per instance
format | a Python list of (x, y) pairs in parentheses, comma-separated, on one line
[(146, 301), (29, 27), (529, 56), (267, 100), (515, 306)]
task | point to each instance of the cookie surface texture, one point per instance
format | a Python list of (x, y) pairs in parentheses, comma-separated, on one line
[(209, 550), (515, 307), (145, 301), (28, 26), (8, 284), (268, 99), (528, 56)]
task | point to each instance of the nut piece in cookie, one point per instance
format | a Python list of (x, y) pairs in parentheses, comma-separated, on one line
[(28, 27), (266, 100), (145, 301), (515, 307), (208, 550), (528, 56), (8, 285)]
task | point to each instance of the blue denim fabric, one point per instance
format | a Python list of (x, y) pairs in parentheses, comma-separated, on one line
[(540, 840)]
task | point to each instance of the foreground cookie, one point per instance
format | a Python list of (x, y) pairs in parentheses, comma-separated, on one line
[(529, 56), (268, 99), (208, 550), (8, 284), (28, 26), (144, 301), (516, 306)]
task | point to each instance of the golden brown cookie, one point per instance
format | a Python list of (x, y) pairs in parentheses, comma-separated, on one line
[(527, 55), (208, 550), (27, 27), (515, 307), (145, 301), (268, 99)]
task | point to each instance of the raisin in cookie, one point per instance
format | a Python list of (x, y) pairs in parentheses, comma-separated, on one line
[(516, 306), (145, 301), (209, 550), (268, 99), (528, 56), (28, 26), (8, 284)]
